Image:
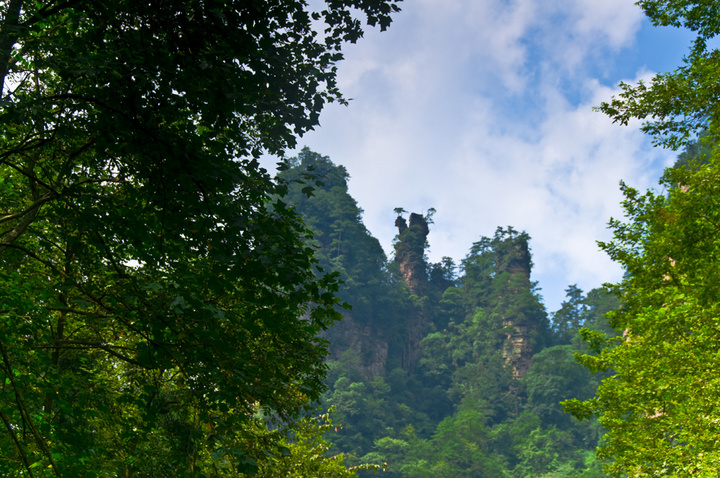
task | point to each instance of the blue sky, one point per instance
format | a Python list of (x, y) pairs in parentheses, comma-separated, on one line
[(483, 110)]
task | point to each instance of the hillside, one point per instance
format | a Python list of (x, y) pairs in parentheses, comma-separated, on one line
[(444, 369)]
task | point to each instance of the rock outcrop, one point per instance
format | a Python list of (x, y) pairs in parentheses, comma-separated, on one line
[(410, 257), (410, 252), (513, 259)]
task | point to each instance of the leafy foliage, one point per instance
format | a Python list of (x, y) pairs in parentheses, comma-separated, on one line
[(306, 453), (155, 294), (676, 105), (658, 405)]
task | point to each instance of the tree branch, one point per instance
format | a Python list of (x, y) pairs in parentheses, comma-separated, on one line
[(21, 450), (34, 256), (19, 229), (8, 38), (81, 344), (22, 407), (47, 197)]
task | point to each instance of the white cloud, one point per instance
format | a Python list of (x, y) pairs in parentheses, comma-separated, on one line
[(483, 110), (615, 22)]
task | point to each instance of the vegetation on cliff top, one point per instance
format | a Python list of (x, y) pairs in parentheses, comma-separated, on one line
[(484, 397)]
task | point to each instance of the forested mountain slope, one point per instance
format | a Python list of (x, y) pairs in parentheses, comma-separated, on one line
[(443, 370)]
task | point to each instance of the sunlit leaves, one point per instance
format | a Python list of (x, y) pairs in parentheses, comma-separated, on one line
[(659, 406)]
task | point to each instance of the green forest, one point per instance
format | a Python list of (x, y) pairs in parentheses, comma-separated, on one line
[(443, 369), (169, 308)]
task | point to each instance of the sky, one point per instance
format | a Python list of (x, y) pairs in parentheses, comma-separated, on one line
[(483, 110)]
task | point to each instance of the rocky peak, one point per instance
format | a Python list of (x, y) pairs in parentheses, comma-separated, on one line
[(410, 257), (410, 251), (513, 258)]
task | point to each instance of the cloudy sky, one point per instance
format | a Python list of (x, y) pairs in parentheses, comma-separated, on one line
[(483, 110)]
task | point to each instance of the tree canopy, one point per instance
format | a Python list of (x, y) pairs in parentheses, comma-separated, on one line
[(155, 294), (660, 405)]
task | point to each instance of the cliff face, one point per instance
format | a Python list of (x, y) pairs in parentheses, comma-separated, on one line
[(518, 349), (368, 343), (409, 255)]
